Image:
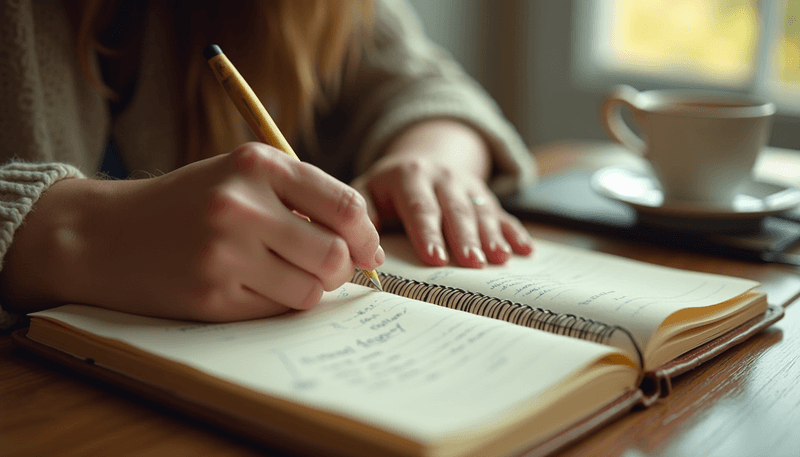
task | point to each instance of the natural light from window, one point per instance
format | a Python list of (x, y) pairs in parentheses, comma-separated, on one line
[(787, 58), (753, 45), (710, 40)]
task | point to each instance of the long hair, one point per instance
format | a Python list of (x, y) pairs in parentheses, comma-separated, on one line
[(295, 53)]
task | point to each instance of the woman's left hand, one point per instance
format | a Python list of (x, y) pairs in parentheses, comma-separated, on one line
[(432, 180)]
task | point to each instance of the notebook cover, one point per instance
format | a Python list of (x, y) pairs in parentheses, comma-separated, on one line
[(609, 413), (656, 385), (662, 377)]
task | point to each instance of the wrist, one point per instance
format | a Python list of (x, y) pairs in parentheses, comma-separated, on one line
[(445, 141), (46, 263)]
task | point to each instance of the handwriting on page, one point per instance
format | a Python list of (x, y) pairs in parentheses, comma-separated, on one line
[(387, 344), (355, 339), (577, 283), (566, 280), (547, 287), (428, 364), (422, 368), (380, 353)]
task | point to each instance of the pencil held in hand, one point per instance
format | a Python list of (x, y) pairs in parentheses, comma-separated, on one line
[(255, 114)]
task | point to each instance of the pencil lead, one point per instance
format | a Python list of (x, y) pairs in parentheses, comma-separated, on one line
[(372, 275)]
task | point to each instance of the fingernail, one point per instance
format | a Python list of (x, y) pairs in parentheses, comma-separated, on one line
[(380, 256), (440, 254), (435, 250), (526, 244), (475, 252), (479, 254), (494, 246)]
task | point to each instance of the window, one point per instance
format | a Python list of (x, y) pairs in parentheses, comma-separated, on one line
[(681, 39), (786, 58), (749, 45)]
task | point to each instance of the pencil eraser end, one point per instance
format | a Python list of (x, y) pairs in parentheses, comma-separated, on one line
[(211, 50)]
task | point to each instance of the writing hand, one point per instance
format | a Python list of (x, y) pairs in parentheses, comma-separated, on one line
[(216, 240)]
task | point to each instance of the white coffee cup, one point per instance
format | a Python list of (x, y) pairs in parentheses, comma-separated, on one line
[(701, 145)]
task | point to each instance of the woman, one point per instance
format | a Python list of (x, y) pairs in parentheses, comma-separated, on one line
[(214, 234)]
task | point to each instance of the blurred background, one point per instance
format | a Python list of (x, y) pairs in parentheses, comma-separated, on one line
[(549, 63)]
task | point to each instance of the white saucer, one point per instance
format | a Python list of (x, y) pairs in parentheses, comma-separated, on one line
[(637, 188)]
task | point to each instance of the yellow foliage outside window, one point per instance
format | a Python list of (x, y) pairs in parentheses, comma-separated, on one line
[(713, 40), (787, 57)]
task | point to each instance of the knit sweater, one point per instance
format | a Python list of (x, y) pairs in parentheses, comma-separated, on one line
[(54, 124)]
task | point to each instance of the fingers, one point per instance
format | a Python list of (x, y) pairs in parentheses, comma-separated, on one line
[(517, 235), (242, 305), (461, 230), (360, 184), (244, 278), (261, 258), (479, 229), (444, 211), (419, 209), (310, 191), (265, 288), (488, 212), (311, 248), (282, 282), (440, 208)]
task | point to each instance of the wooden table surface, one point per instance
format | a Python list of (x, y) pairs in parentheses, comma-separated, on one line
[(744, 403)]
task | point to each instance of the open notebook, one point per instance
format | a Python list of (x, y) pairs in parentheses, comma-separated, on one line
[(549, 348)]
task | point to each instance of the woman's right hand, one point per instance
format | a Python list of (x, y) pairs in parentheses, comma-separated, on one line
[(217, 240)]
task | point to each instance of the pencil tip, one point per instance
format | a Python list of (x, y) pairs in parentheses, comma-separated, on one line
[(211, 50), (372, 275)]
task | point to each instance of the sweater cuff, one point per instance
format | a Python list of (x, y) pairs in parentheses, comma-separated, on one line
[(21, 185), (514, 165)]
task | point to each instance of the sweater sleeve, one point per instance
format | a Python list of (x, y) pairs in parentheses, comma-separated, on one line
[(52, 122), (21, 185), (402, 79)]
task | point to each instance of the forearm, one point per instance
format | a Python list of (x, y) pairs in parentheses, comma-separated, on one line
[(42, 267), (23, 183), (447, 142)]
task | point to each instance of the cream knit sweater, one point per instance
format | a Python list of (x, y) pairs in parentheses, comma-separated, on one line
[(54, 125)]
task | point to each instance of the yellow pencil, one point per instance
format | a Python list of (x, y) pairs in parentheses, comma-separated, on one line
[(255, 114)]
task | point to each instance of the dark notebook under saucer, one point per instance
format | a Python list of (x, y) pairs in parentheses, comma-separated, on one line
[(636, 187), (569, 199)]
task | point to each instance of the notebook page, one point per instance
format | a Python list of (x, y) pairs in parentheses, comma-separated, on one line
[(420, 370), (635, 295)]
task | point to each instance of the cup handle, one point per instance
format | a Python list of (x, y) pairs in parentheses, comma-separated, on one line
[(611, 117)]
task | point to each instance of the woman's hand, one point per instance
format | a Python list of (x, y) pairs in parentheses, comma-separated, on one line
[(217, 240), (432, 180)]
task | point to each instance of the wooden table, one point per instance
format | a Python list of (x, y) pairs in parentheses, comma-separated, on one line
[(746, 402)]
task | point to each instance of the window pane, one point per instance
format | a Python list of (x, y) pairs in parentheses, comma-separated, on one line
[(787, 59), (708, 40)]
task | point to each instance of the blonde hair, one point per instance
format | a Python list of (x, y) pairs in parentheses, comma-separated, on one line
[(293, 52)]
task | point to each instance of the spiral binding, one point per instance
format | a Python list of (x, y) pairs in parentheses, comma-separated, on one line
[(505, 310)]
